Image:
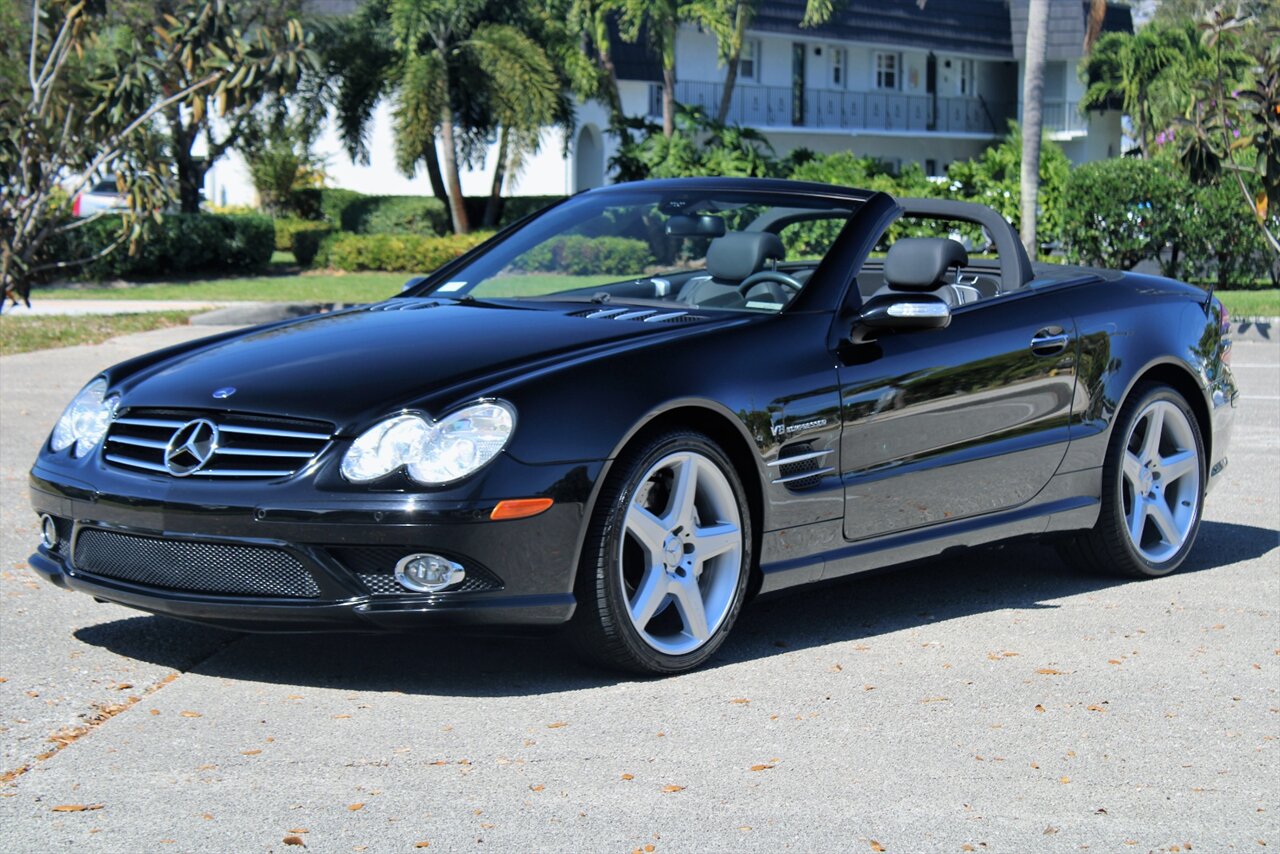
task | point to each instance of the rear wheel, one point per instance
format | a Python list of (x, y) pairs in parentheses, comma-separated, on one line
[(1152, 490), (666, 559)]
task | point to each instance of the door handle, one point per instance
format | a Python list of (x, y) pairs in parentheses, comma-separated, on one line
[(1050, 342)]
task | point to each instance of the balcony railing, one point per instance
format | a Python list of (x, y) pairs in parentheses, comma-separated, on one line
[(779, 107), (1064, 117)]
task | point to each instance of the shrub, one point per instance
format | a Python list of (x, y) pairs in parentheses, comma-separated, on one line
[(1220, 241), (578, 256), (305, 243), (178, 244), (287, 227), (510, 208), (394, 252), (1123, 211), (423, 215), (994, 179)]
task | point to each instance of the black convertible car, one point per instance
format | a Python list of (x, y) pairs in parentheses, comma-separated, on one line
[(640, 408)]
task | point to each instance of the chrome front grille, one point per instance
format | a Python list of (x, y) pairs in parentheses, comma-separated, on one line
[(242, 445)]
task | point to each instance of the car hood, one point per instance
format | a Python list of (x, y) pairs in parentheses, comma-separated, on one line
[(366, 361)]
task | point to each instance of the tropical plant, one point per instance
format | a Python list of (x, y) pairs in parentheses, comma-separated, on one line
[(1233, 134), (270, 30), (82, 105), (1149, 75), (458, 71), (698, 146), (994, 178)]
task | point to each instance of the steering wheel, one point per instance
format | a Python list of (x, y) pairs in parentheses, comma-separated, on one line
[(769, 276)]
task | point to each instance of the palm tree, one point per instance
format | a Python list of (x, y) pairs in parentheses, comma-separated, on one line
[(1033, 119), (660, 19), (1149, 74)]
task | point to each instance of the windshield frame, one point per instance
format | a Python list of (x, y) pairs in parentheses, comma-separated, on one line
[(776, 194)]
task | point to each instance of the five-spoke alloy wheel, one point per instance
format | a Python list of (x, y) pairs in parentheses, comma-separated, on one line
[(1152, 489), (667, 557)]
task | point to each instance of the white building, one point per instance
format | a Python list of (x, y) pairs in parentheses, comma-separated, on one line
[(884, 78)]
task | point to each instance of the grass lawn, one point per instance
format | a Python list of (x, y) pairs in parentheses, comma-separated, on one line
[(304, 287), (1263, 302), (24, 334), (324, 287)]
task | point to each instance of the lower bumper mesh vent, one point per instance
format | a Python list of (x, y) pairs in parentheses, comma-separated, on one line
[(192, 566)]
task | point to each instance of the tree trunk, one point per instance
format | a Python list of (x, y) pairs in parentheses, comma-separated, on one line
[(668, 101), (457, 205), (668, 54), (735, 56), (1093, 29), (433, 172), (611, 94), (493, 207), (190, 171), (1033, 120)]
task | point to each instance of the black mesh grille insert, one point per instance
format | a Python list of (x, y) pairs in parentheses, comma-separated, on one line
[(375, 567), (199, 567)]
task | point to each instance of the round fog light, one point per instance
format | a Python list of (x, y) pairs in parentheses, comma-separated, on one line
[(428, 573), (48, 532)]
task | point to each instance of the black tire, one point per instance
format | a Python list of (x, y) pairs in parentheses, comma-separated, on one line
[(1108, 548), (602, 629)]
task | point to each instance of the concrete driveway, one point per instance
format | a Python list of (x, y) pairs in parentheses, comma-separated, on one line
[(993, 702)]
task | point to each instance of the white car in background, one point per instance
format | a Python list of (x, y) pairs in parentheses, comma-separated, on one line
[(101, 196)]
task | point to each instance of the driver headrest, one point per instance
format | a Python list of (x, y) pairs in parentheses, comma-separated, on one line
[(741, 253), (921, 263)]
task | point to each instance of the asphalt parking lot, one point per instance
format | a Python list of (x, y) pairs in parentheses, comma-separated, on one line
[(997, 702)]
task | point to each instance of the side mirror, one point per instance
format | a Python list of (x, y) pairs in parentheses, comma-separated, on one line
[(902, 313)]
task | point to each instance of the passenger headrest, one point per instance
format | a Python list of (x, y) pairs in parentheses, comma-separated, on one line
[(740, 253), (921, 263)]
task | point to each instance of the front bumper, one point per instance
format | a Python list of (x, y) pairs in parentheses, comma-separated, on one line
[(526, 566)]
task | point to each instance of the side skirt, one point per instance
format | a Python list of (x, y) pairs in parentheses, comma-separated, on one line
[(1068, 502)]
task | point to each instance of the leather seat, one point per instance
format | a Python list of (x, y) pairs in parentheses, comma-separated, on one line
[(920, 265), (730, 260)]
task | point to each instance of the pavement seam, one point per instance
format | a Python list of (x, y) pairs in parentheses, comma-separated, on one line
[(69, 735)]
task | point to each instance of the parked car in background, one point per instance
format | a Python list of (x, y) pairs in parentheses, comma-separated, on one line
[(640, 408), (102, 196)]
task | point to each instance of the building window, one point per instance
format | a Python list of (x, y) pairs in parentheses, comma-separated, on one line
[(968, 79), (839, 61), (888, 70), (749, 61)]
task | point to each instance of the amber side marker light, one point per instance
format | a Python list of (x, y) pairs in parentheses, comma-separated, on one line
[(519, 508)]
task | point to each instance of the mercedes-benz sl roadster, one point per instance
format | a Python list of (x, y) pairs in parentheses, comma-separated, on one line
[(635, 411)]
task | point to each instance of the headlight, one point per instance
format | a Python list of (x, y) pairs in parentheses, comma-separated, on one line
[(84, 422), (432, 453)]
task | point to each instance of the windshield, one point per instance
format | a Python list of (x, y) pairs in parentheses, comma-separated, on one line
[(740, 251)]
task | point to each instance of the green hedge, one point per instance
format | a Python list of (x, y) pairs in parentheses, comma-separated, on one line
[(401, 253), (1122, 212), (305, 243), (287, 227), (178, 244), (349, 210), (355, 212), (580, 256)]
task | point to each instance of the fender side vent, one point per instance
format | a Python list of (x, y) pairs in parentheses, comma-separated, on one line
[(799, 466)]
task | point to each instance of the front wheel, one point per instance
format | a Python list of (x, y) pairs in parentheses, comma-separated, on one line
[(666, 558), (1152, 490)]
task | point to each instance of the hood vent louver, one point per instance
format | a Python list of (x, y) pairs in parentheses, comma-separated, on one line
[(403, 305), (641, 315)]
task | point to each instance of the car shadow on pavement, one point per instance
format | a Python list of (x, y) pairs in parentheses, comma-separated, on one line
[(1019, 576)]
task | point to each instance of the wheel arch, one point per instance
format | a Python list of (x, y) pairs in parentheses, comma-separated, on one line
[(1181, 379), (727, 431)]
